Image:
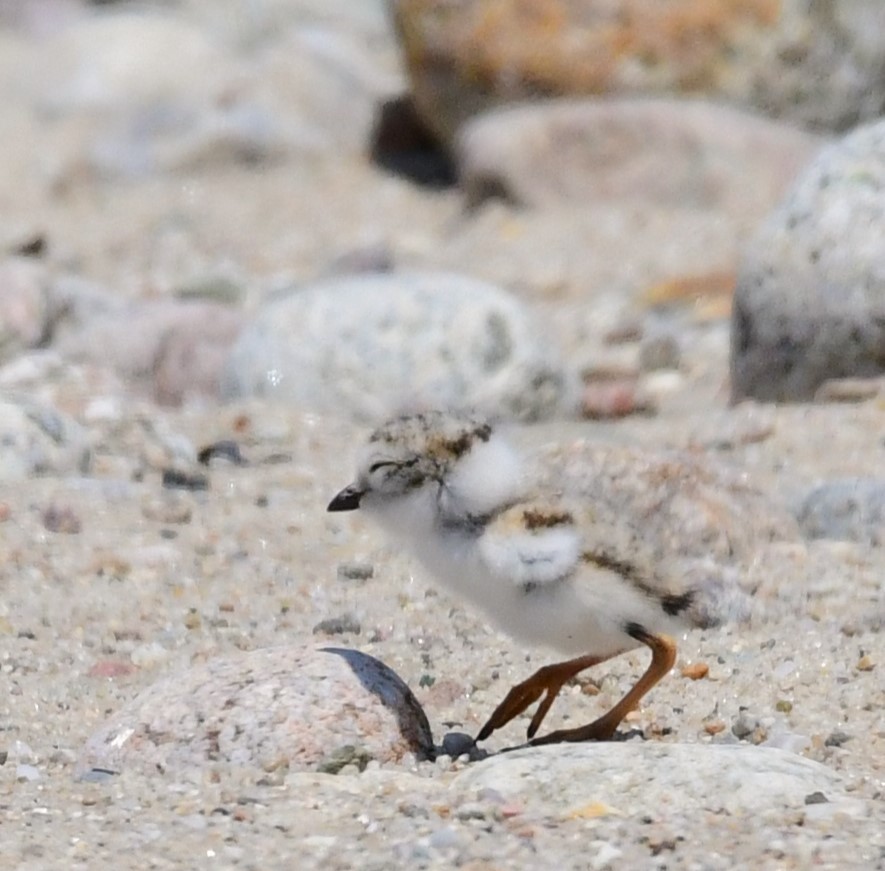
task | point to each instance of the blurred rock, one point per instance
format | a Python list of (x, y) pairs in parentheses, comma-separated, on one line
[(175, 349), (295, 708), (24, 312), (851, 509), (135, 92), (36, 439), (810, 300), (640, 779), (369, 346), (654, 152), (817, 63)]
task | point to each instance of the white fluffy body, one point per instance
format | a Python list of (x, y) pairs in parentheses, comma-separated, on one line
[(530, 582)]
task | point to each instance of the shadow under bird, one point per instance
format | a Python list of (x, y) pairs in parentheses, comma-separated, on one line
[(452, 490)]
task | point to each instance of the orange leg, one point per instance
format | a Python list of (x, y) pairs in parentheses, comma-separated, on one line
[(551, 678)]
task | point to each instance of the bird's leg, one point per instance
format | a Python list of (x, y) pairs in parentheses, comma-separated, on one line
[(549, 679), (663, 655)]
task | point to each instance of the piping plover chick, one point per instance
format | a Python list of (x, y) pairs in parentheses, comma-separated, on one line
[(547, 572)]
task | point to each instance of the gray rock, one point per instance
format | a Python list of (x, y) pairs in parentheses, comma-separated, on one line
[(652, 152), (140, 92), (301, 708), (810, 300), (850, 509), (817, 62), (176, 349), (24, 309), (37, 439), (369, 346), (653, 779)]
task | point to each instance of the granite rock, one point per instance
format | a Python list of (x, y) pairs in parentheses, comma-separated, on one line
[(810, 299), (369, 346), (819, 64), (295, 708), (651, 152)]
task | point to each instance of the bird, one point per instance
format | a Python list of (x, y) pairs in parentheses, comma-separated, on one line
[(549, 571)]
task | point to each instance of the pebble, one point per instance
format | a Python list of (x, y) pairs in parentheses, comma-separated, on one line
[(62, 519), (355, 571), (343, 625), (744, 725), (27, 773), (847, 509)]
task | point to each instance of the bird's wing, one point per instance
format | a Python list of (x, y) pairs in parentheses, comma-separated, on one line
[(533, 544)]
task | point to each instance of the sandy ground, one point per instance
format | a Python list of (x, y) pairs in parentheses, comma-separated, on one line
[(140, 582)]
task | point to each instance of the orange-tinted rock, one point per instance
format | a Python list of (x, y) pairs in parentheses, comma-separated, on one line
[(464, 56)]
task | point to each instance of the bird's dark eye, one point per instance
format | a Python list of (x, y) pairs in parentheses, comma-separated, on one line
[(375, 466)]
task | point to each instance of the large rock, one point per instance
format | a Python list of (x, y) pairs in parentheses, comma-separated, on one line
[(369, 346), (302, 709), (810, 300), (818, 63), (175, 349), (659, 780), (139, 92), (654, 152)]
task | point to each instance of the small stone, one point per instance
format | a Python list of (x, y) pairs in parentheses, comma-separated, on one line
[(866, 663), (784, 706), (175, 479), (343, 757), (455, 744), (111, 668), (27, 773), (615, 398), (714, 727), (226, 449), (696, 670), (837, 739), (816, 798), (167, 509), (355, 571), (346, 623), (62, 519), (744, 725)]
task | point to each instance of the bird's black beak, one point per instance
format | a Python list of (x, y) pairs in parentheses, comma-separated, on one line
[(347, 500)]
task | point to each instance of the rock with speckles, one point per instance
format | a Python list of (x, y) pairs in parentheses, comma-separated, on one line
[(630, 779), (296, 708), (369, 346), (810, 299)]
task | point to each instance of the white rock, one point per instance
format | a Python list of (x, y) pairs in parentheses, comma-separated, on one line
[(35, 438), (369, 346), (656, 779), (301, 708), (810, 298)]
